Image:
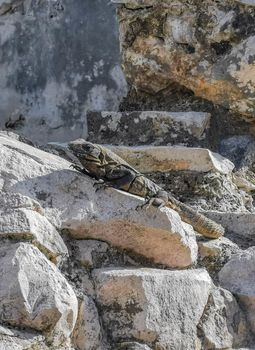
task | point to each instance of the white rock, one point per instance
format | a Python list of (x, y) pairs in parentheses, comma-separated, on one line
[(149, 159), (153, 305), (223, 324), (17, 340), (242, 224), (238, 276), (247, 2), (217, 247), (70, 202), (28, 224), (87, 334), (132, 346), (34, 293), (17, 200)]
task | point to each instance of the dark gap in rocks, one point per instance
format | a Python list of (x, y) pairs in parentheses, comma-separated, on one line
[(222, 47), (187, 48)]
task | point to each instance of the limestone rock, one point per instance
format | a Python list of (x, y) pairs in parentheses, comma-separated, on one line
[(238, 276), (149, 159), (223, 324), (132, 346), (28, 224), (34, 293), (216, 248), (237, 224), (70, 202), (87, 333), (157, 127), (16, 200), (12, 339), (87, 248), (207, 47), (149, 304)]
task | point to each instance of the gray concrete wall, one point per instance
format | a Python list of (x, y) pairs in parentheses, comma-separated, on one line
[(58, 59)]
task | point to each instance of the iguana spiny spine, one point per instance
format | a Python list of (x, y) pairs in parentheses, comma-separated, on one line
[(101, 163)]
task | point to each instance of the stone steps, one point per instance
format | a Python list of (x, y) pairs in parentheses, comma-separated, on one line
[(147, 127)]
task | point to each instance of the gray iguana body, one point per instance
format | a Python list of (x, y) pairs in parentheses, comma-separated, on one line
[(100, 163)]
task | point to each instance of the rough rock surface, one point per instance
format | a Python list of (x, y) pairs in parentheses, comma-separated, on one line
[(149, 159), (207, 46), (158, 127), (142, 299), (87, 334), (223, 324), (27, 224), (238, 276), (34, 293)]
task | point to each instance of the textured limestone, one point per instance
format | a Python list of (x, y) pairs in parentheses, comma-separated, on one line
[(28, 224), (238, 276), (216, 248), (70, 201), (149, 159), (86, 249), (207, 46), (241, 224), (16, 200), (157, 127), (87, 333), (132, 346), (149, 304), (223, 324), (35, 294)]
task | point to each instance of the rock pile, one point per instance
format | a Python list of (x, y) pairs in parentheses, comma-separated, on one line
[(83, 269)]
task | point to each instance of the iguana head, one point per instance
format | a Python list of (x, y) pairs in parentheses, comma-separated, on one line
[(85, 150)]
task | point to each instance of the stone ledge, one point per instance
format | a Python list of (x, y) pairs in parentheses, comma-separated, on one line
[(148, 159)]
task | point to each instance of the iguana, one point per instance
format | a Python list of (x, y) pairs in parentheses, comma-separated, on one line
[(100, 163)]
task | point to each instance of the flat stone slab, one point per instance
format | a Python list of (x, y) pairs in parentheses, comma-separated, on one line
[(146, 127), (148, 159), (149, 305)]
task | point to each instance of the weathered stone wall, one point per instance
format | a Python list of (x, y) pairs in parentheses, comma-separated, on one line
[(58, 59), (206, 47)]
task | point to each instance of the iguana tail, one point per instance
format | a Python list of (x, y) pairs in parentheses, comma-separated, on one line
[(200, 223)]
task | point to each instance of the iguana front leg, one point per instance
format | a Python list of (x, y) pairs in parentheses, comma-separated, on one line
[(83, 171)]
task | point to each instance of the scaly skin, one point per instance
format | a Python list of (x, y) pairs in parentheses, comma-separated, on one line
[(100, 163)]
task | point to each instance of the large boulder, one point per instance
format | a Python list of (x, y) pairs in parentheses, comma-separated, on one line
[(153, 306), (71, 202), (34, 293), (207, 47)]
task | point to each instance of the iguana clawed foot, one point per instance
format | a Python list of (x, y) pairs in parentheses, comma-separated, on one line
[(77, 167), (100, 185), (152, 201)]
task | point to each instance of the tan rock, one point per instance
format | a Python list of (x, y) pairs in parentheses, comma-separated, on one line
[(149, 159)]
